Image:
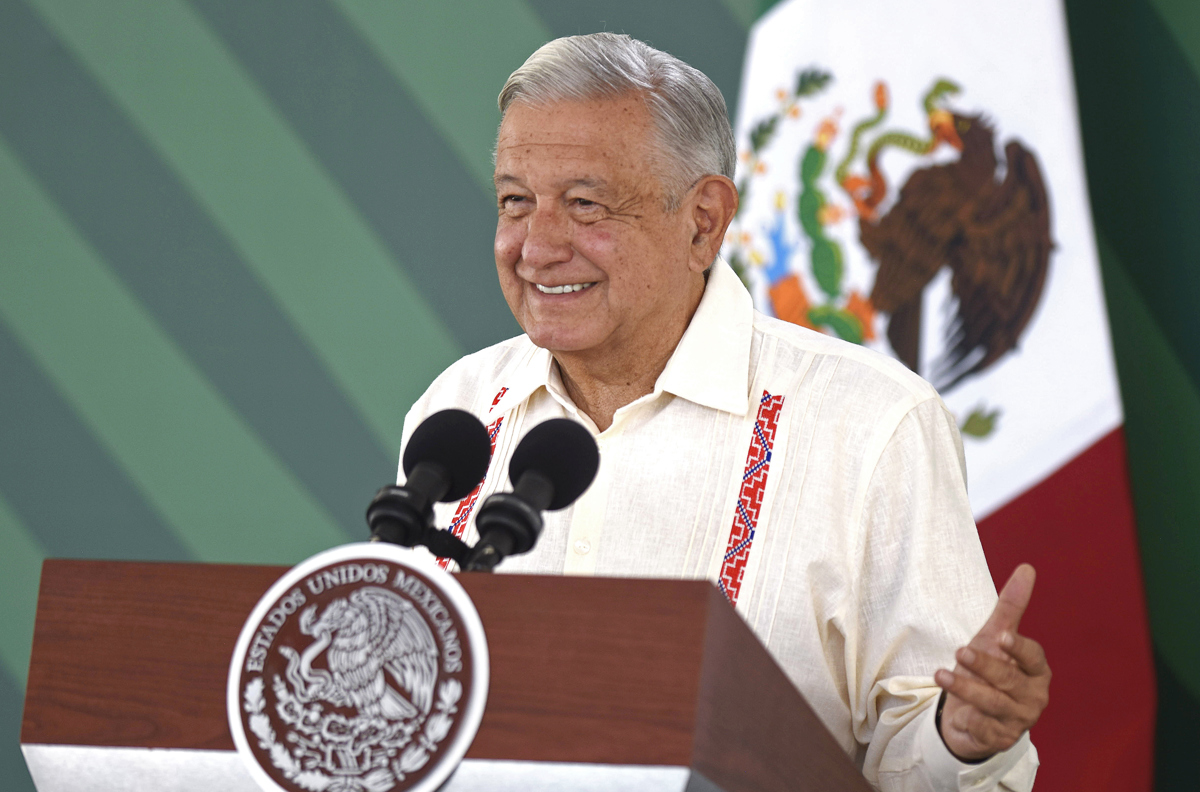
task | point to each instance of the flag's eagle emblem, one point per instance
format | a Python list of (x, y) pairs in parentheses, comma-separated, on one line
[(959, 207), (993, 235)]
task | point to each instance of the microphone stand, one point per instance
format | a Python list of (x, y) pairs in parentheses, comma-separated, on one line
[(510, 523), (402, 516)]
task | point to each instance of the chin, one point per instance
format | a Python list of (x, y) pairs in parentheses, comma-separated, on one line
[(560, 339)]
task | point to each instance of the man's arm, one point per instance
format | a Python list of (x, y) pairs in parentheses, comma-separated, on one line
[(924, 591)]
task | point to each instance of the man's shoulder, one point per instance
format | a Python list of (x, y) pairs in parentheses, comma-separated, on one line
[(491, 361), (854, 365), (479, 375), (855, 398)]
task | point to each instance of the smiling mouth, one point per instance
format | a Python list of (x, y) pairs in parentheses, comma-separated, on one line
[(567, 289)]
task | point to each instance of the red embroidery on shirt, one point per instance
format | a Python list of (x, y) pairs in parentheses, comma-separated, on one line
[(462, 514), (754, 484)]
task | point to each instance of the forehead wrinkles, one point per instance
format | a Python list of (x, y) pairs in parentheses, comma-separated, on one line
[(563, 167), (606, 140), (550, 152), (548, 143)]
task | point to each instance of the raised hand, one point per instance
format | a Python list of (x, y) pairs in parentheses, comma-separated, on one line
[(1001, 683)]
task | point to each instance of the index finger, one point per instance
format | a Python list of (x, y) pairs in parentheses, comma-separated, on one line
[(1014, 599)]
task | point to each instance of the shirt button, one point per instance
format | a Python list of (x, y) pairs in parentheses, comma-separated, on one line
[(582, 546)]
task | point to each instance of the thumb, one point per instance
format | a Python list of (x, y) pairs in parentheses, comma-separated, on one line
[(1014, 599)]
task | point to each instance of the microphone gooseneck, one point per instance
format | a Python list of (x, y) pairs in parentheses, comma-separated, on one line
[(549, 470), (446, 457)]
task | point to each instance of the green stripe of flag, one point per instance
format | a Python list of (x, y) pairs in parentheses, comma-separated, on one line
[(1182, 18), (20, 570), (453, 58), (195, 461), (290, 222), (1162, 421)]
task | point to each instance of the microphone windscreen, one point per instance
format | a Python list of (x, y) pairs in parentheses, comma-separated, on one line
[(562, 451), (458, 442)]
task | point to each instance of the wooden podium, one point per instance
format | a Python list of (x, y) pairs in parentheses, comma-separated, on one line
[(596, 684)]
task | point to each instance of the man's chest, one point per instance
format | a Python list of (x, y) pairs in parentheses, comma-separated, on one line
[(682, 491)]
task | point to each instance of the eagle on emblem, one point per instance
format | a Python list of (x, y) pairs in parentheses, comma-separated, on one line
[(367, 637)]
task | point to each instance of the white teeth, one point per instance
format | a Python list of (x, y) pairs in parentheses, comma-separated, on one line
[(570, 287)]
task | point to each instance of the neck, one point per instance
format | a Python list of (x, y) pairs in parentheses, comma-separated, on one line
[(600, 390), (602, 382)]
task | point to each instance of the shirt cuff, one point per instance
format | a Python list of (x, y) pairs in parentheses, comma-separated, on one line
[(948, 774)]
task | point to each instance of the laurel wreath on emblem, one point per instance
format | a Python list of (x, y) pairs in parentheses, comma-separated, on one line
[(369, 637), (326, 741)]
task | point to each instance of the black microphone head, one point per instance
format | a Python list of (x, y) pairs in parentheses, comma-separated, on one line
[(562, 451), (455, 440)]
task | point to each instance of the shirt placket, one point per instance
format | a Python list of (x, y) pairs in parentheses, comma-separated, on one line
[(587, 519), (590, 512)]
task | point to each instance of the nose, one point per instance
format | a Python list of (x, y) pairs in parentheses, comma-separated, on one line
[(547, 236)]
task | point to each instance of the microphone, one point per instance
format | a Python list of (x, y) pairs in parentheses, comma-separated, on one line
[(446, 457), (551, 467)]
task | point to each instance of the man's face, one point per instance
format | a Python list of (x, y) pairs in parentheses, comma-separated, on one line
[(590, 261)]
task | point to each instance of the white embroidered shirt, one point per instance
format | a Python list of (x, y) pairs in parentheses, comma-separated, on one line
[(839, 474)]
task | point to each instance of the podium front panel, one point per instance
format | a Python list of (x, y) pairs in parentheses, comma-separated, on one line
[(596, 683)]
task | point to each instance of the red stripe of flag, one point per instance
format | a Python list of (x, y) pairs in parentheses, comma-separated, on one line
[(1088, 610)]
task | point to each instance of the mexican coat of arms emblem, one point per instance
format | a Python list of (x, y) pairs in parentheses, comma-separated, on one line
[(364, 669)]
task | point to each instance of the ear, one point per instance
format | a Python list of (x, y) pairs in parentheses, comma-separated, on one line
[(712, 203)]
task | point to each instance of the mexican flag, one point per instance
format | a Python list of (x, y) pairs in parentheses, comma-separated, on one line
[(912, 180)]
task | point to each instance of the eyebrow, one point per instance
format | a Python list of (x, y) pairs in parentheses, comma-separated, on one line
[(592, 183), (597, 184)]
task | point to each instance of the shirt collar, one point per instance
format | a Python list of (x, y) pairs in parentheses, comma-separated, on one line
[(710, 366), (531, 372)]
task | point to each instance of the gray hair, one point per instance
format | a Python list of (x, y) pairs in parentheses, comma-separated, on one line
[(688, 110)]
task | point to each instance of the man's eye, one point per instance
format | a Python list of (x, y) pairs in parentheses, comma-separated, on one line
[(514, 203)]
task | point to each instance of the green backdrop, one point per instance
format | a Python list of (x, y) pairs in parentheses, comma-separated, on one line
[(237, 239)]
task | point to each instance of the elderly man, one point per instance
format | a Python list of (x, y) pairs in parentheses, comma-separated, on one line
[(819, 484)]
